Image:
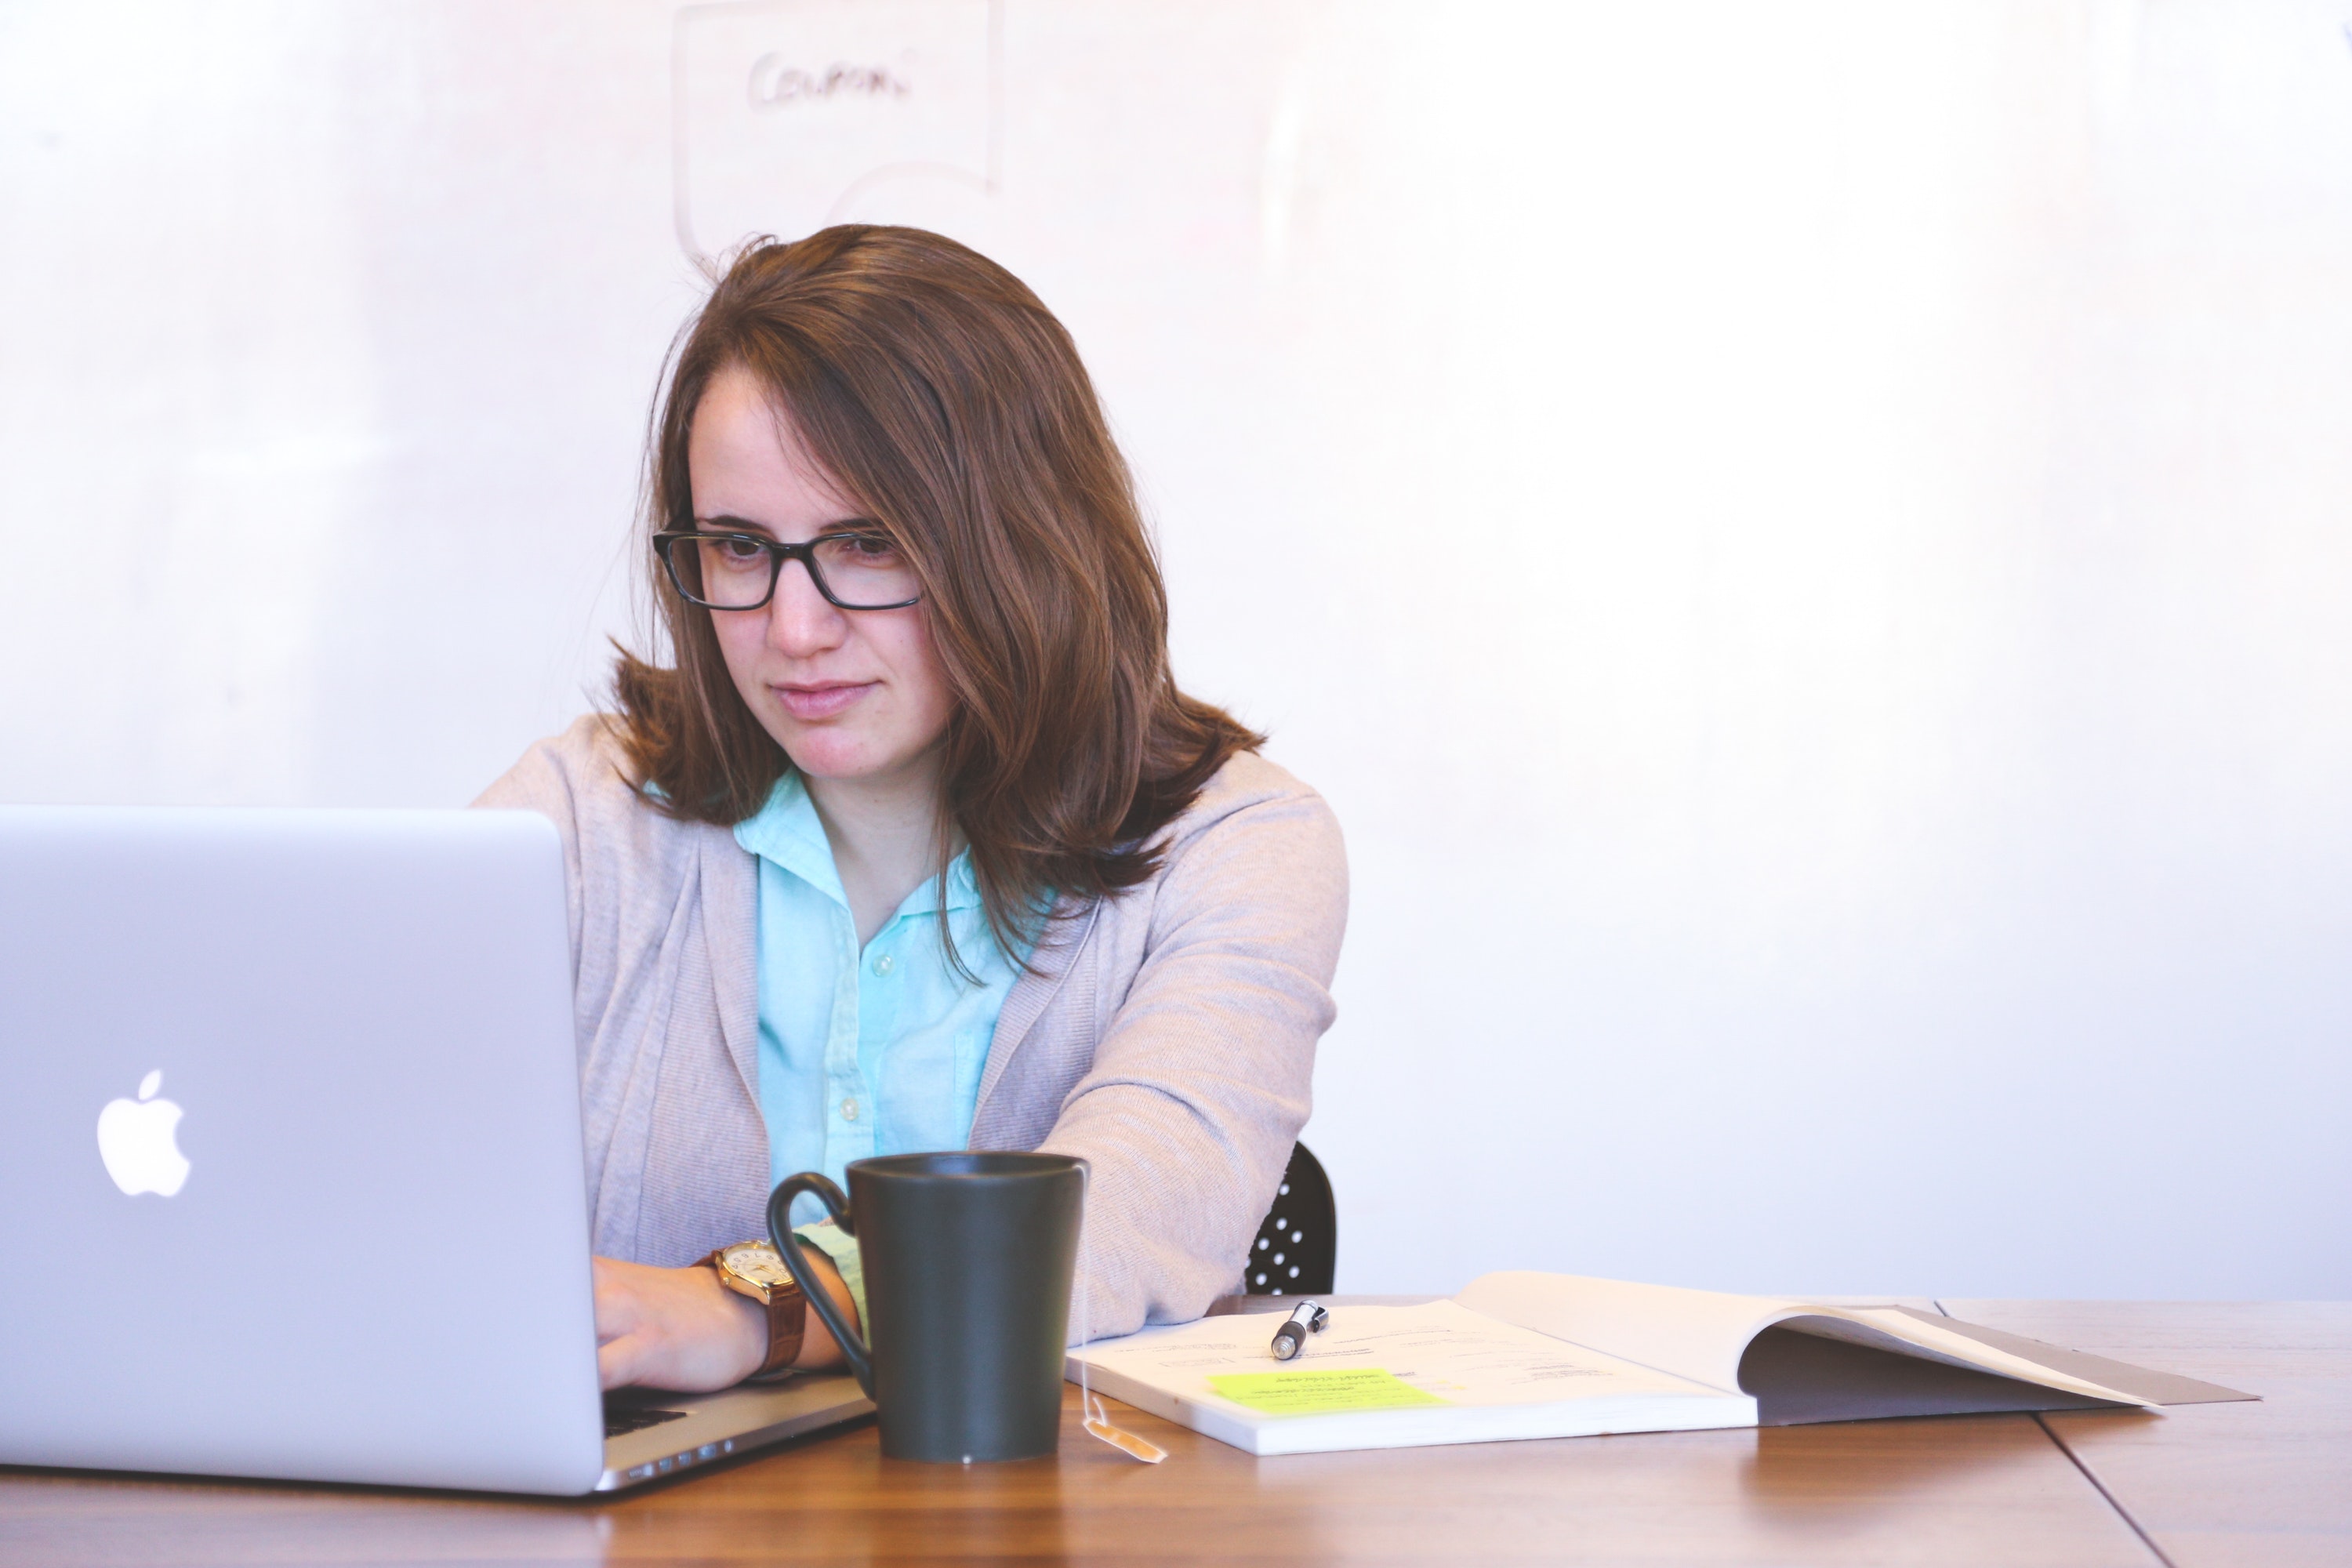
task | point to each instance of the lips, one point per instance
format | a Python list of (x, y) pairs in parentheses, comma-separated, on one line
[(822, 699)]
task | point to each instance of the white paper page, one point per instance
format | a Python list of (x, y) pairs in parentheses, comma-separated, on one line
[(1440, 1348), (1695, 1334), (1702, 1334), (1883, 1329)]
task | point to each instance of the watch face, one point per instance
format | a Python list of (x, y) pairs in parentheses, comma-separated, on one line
[(758, 1262)]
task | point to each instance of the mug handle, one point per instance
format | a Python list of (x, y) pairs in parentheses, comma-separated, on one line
[(788, 1247)]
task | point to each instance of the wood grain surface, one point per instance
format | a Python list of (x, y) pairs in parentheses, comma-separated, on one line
[(1974, 1490), (2225, 1484), (2215, 1486)]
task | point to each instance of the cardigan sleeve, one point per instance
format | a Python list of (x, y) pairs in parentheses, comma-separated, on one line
[(546, 780), (664, 1004), (1203, 1073)]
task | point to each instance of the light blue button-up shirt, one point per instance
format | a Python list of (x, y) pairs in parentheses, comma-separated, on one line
[(872, 1052)]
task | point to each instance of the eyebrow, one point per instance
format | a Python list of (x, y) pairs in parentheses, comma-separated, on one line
[(727, 524)]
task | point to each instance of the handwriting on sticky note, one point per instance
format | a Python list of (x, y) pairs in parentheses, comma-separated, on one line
[(1320, 1392)]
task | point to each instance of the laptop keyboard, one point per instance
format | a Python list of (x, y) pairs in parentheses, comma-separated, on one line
[(624, 1419)]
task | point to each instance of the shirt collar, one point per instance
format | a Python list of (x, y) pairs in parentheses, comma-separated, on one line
[(787, 832), (963, 885)]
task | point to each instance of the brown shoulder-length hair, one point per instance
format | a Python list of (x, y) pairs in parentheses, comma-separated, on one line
[(945, 400)]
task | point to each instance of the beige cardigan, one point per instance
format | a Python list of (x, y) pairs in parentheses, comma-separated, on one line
[(1167, 1035)]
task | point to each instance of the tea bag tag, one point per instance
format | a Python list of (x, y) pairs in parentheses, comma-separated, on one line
[(1098, 1421), (1098, 1425)]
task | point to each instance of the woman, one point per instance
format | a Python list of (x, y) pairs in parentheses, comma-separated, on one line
[(915, 844)]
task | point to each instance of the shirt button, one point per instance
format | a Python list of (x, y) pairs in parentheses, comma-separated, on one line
[(884, 965), (849, 1111)]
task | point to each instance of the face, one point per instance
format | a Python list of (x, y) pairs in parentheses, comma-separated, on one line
[(851, 695)]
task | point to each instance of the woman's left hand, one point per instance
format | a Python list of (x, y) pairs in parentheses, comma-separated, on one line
[(674, 1328)]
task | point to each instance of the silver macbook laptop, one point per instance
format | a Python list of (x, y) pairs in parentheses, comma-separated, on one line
[(290, 1170)]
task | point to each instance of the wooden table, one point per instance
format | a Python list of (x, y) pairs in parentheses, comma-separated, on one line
[(2268, 1483), (2215, 1484)]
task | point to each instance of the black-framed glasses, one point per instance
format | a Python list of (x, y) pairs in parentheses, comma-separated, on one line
[(739, 571)]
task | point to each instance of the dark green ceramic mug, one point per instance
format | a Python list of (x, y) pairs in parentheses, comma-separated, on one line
[(968, 1258)]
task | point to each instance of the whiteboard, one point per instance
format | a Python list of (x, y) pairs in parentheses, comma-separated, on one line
[(1805, 545)]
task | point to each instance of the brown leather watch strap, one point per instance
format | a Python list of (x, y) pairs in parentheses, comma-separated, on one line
[(787, 1313), (787, 1322)]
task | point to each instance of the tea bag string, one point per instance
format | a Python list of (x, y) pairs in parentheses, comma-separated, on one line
[(1098, 1421)]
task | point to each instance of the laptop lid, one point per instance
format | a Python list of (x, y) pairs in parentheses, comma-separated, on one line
[(291, 1149)]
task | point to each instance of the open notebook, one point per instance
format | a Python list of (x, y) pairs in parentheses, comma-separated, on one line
[(1556, 1356)]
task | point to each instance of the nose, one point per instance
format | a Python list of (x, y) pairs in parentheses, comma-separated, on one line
[(801, 622)]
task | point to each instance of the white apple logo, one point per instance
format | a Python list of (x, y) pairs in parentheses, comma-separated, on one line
[(140, 1140)]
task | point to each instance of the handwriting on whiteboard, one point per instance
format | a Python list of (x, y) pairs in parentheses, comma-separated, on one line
[(775, 84), (793, 114)]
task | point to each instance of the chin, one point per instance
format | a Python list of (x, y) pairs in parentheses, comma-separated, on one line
[(829, 754)]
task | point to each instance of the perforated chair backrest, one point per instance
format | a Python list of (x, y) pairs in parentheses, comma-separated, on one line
[(1298, 1247)]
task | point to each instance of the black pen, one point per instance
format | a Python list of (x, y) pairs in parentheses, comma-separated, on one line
[(1305, 1319)]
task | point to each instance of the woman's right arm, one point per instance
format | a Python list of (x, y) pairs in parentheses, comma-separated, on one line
[(657, 1327), (681, 1329)]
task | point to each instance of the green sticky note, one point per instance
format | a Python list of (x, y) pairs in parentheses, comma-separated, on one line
[(1321, 1391)]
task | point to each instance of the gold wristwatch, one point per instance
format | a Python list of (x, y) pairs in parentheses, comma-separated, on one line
[(752, 1269)]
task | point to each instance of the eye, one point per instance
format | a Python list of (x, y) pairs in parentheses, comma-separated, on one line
[(736, 550), (866, 549)]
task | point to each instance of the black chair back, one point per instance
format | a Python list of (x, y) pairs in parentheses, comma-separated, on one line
[(1298, 1247)]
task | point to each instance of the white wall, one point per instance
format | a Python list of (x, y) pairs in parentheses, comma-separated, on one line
[(1808, 545)]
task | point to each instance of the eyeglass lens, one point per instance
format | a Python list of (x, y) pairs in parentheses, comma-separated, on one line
[(863, 571)]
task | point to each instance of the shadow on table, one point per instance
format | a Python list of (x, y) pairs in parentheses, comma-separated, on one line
[(53, 1517), (1950, 1467)]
